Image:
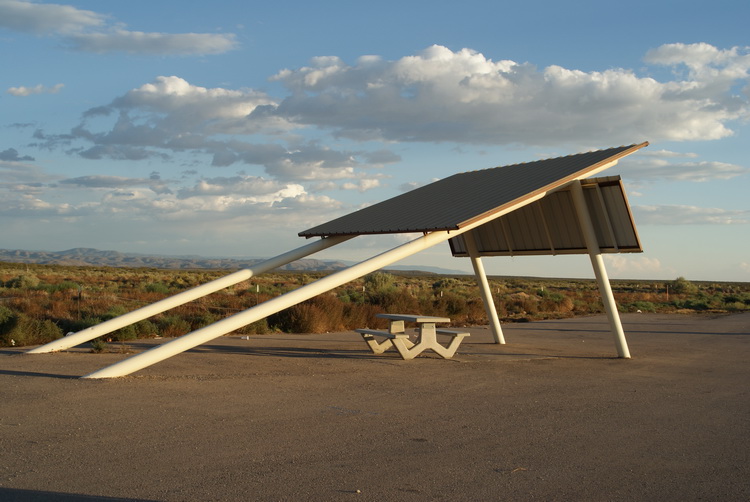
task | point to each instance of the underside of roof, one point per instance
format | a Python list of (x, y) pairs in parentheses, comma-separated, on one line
[(465, 198), (550, 225)]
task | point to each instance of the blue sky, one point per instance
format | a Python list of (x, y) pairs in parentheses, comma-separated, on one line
[(224, 128)]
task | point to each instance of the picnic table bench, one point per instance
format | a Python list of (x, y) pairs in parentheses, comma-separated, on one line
[(397, 337)]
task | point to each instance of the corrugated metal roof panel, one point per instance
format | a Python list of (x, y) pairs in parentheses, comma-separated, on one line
[(458, 200)]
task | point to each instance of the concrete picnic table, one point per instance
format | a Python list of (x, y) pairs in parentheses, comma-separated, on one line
[(397, 337)]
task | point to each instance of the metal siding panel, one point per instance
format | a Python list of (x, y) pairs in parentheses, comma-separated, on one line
[(620, 217), (597, 217), (562, 222)]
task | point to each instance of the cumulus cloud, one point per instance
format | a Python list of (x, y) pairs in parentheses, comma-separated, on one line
[(688, 215), (89, 31), (170, 115), (661, 166), (463, 96), (23, 91)]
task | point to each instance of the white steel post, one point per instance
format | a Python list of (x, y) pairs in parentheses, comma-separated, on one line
[(186, 296), (605, 289), (484, 288)]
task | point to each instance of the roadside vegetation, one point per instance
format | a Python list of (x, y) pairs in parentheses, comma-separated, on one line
[(39, 303)]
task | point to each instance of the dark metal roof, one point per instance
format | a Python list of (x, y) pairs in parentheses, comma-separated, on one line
[(463, 198)]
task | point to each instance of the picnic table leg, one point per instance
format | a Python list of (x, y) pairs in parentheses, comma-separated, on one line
[(380, 347), (428, 340), (450, 350), (406, 349), (375, 347)]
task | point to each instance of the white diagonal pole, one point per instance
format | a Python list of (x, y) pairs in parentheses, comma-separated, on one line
[(605, 289), (484, 288), (186, 296)]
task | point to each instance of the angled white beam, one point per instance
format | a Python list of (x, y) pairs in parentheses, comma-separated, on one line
[(186, 296), (484, 288), (219, 328), (605, 289)]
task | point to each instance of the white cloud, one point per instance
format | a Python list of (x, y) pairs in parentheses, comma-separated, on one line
[(181, 44), (362, 185), (179, 107), (688, 215), (23, 91), (45, 19), (704, 61), (170, 115), (253, 188), (89, 31), (441, 95), (437, 95), (634, 267), (659, 165)]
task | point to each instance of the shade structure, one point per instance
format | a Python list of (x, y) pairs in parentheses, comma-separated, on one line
[(542, 207), (464, 198)]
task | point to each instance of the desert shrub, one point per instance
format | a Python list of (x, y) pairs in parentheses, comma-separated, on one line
[(170, 326), (24, 281), (98, 345), (475, 312), (400, 301), (450, 304), (736, 306), (259, 327), (318, 315), (694, 304), (156, 287), (446, 284), (379, 281), (351, 296), (59, 287), (683, 286), (643, 306), (19, 329)]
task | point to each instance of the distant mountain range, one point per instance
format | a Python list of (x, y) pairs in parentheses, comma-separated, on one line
[(95, 257)]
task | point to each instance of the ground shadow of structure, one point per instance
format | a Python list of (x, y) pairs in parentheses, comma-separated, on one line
[(15, 495)]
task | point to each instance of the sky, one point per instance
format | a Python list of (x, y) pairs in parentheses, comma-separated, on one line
[(224, 128)]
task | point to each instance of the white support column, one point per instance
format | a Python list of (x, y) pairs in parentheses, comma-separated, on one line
[(484, 288), (186, 296), (605, 289), (269, 307)]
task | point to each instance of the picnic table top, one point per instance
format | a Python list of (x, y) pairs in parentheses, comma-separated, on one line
[(413, 318)]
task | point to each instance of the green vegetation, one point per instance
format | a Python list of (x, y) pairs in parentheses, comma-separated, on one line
[(39, 303)]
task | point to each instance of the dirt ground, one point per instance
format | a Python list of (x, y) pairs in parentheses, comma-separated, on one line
[(551, 415)]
